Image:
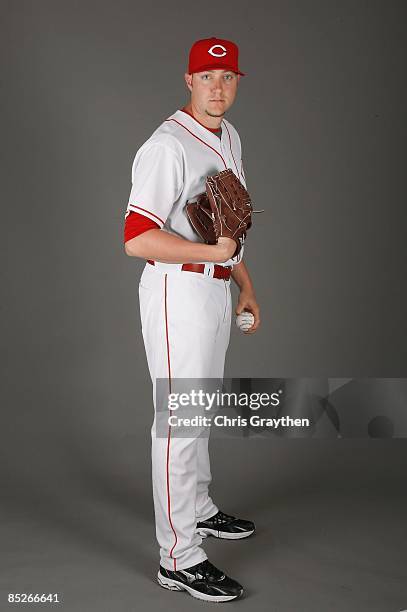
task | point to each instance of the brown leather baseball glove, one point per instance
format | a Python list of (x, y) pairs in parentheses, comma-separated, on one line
[(225, 209)]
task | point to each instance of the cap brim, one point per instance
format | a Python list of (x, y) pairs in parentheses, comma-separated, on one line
[(217, 67)]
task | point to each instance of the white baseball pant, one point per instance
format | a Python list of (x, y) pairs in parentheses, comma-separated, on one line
[(185, 320)]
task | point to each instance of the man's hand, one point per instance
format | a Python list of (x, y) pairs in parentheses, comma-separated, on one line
[(247, 301), (226, 248)]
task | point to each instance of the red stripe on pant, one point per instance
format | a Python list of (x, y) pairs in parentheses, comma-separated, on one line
[(169, 428)]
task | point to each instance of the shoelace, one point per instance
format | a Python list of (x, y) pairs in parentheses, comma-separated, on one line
[(221, 518), (208, 570)]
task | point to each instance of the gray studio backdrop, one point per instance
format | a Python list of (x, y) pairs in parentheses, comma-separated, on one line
[(321, 115)]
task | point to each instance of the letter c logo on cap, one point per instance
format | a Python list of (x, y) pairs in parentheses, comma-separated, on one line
[(212, 51)]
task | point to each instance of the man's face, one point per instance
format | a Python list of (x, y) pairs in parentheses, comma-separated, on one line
[(212, 91)]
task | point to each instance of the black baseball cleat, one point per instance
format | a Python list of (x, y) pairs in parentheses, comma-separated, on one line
[(224, 526), (203, 581)]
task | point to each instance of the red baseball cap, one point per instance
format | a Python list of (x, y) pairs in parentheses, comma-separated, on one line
[(212, 54)]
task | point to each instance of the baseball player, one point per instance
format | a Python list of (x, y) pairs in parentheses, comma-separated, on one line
[(185, 306)]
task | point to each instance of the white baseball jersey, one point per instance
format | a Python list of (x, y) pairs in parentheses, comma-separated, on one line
[(171, 167)]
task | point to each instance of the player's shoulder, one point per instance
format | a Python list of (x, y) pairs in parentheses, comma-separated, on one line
[(164, 136)]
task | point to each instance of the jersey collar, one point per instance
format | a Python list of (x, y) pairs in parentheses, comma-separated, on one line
[(195, 119), (195, 126)]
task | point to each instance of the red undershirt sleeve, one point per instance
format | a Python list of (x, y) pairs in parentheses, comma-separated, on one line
[(136, 224)]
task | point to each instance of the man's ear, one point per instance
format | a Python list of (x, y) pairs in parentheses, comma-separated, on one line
[(188, 80)]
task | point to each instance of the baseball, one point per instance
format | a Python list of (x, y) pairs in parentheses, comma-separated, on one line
[(244, 320)]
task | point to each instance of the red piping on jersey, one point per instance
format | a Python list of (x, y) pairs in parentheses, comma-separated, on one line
[(200, 139), (230, 147), (147, 211), (169, 428), (205, 126)]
